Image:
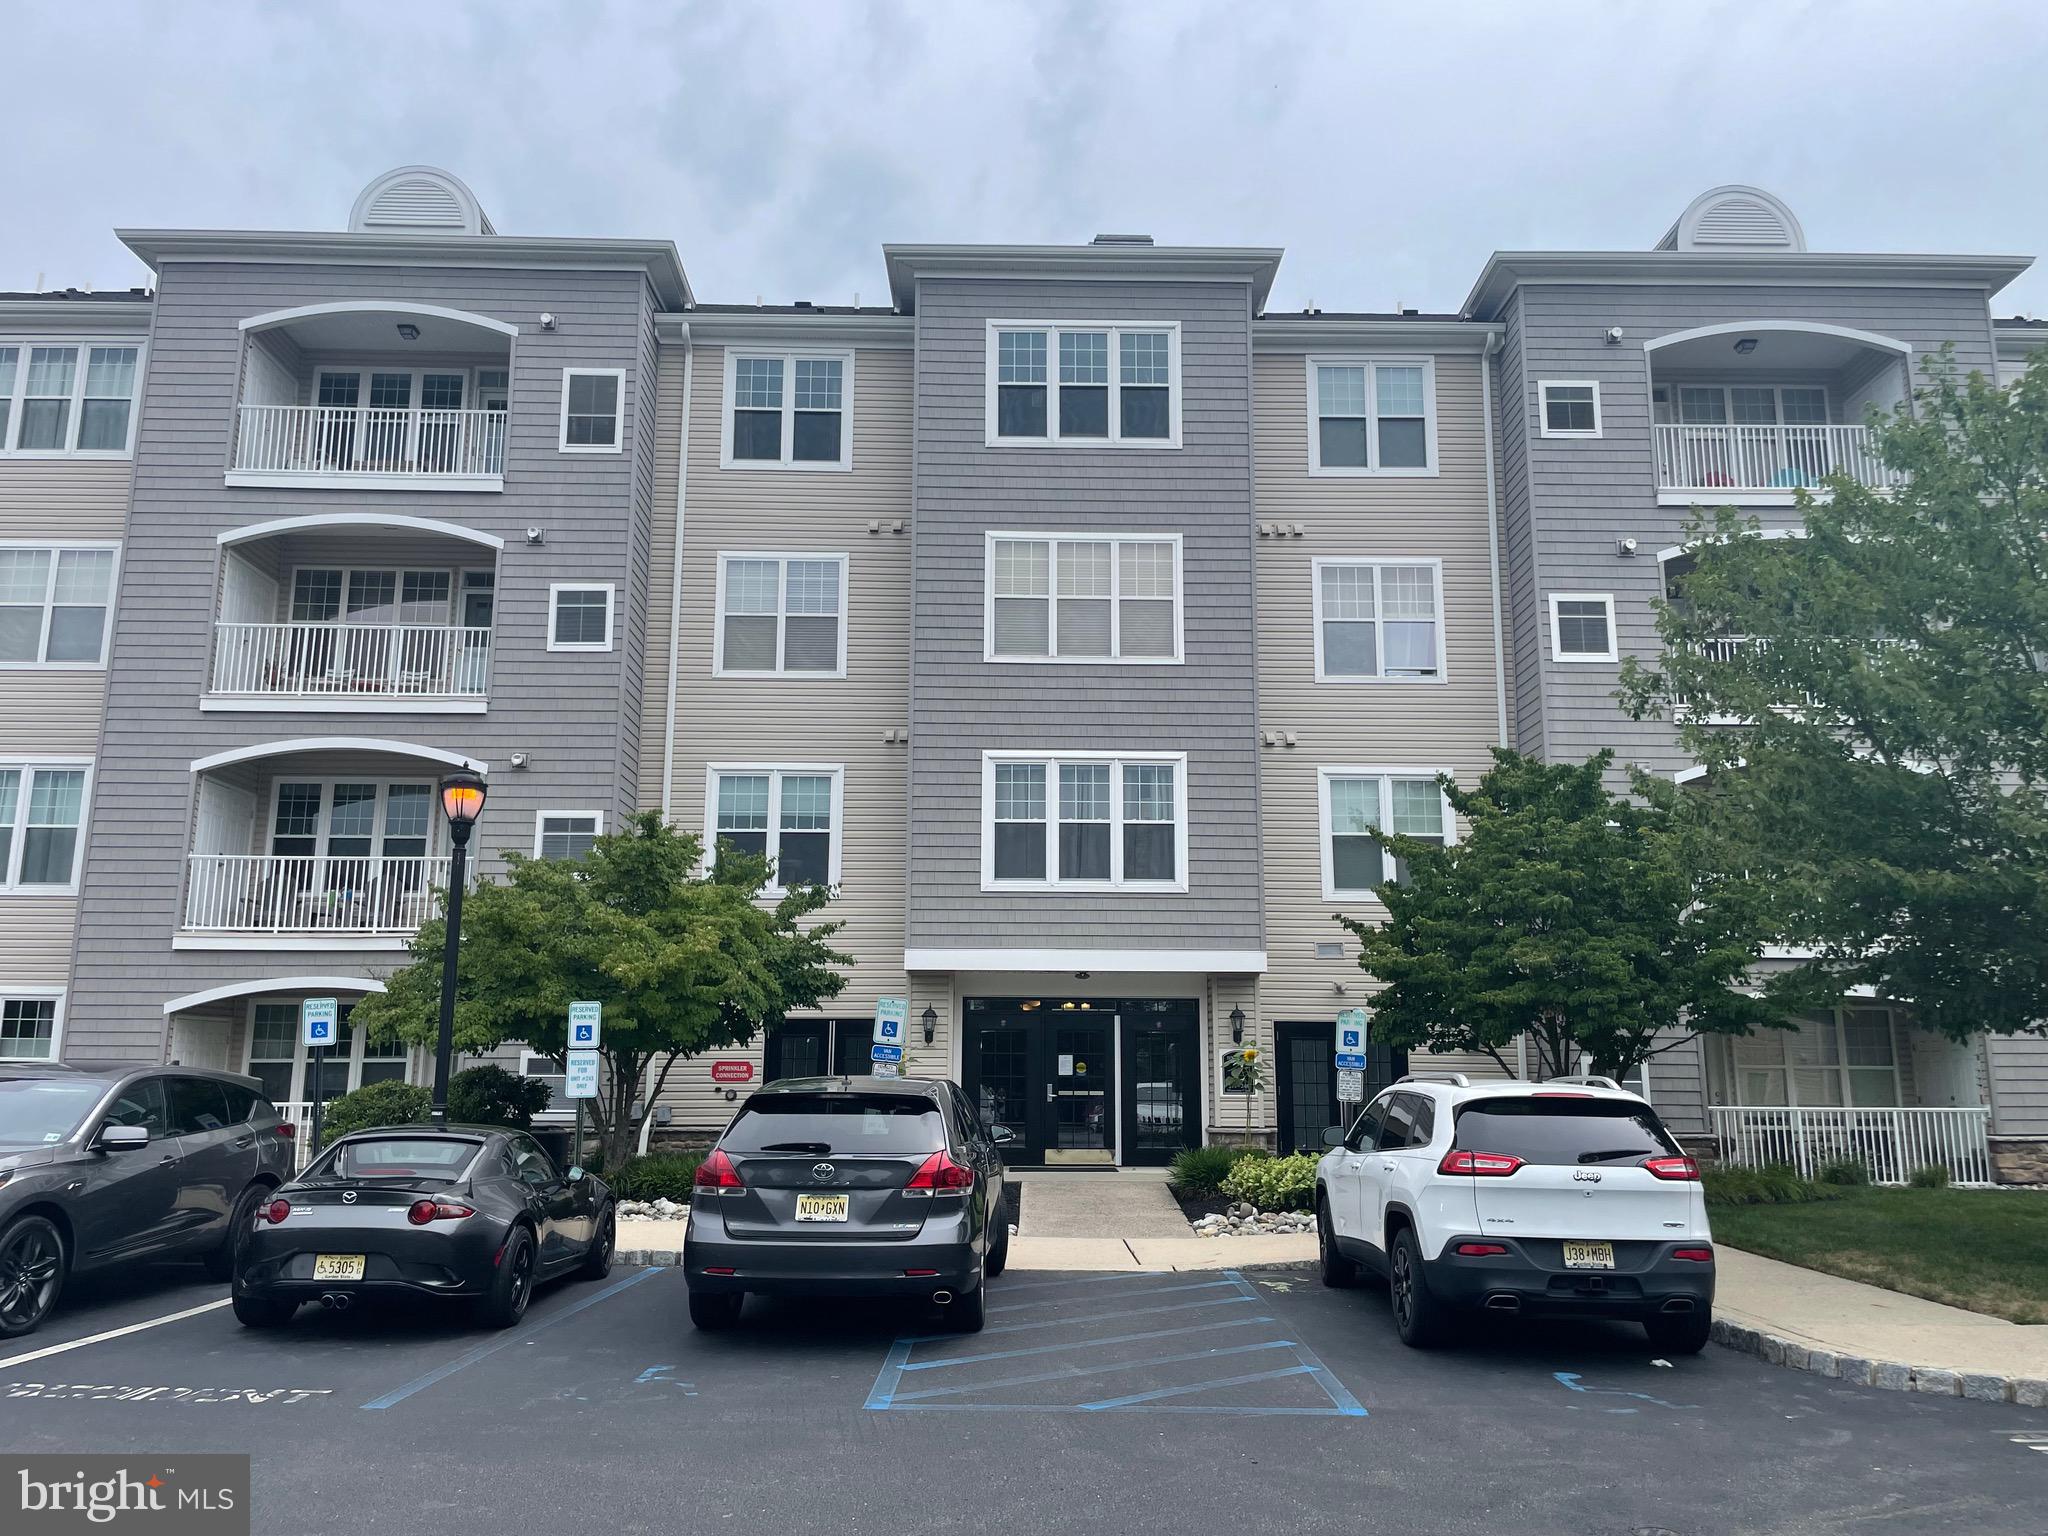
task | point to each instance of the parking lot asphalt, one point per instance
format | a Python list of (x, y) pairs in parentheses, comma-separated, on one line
[(1194, 1403)]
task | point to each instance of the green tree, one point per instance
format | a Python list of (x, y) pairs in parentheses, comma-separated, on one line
[(1591, 922), (683, 962), (1891, 670)]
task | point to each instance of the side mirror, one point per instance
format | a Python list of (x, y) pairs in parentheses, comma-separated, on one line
[(121, 1138), (1002, 1135), (1333, 1135), (575, 1175)]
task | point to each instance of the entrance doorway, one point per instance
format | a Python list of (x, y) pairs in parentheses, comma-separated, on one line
[(816, 1048), (1305, 1081), (1086, 1082)]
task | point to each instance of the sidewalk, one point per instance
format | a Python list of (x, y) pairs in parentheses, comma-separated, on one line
[(661, 1242)]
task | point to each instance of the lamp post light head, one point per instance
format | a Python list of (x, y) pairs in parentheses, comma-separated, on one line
[(462, 801), (930, 1019), (1237, 1026)]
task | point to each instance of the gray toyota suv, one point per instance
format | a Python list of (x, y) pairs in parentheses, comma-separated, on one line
[(115, 1165)]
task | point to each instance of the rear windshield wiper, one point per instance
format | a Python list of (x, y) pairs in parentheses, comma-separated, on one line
[(1601, 1157), (817, 1148)]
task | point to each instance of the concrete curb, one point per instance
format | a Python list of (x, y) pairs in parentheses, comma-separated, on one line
[(1889, 1375), (654, 1258)]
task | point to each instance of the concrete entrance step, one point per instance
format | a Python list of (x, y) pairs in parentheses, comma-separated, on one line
[(1110, 1204)]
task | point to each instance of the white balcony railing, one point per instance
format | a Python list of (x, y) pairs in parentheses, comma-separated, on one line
[(299, 1116), (353, 440), (1725, 648), (312, 894), (401, 661), (1891, 1143), (1698, 457)]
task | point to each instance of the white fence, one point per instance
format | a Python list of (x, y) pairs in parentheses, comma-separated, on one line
[(1708, 458), (1891, 1143), (370, 440), (271, 893), (357, 660), (1725, 648)]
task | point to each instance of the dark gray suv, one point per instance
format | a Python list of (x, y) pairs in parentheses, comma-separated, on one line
[(115, 1165)]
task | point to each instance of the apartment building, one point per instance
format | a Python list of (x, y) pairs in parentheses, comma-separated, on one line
[(1074, 616)]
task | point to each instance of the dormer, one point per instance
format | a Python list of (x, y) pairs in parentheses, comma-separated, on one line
[(1735, 218)]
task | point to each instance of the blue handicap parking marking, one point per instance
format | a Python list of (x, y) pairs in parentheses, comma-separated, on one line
[(1125, 1343)]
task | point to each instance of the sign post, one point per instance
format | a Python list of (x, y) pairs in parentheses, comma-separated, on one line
[(319, 1020), (1351, 1037), (586, 1022), (891, 1015)]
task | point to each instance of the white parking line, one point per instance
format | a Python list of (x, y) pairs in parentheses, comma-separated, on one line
[(112, 1333)]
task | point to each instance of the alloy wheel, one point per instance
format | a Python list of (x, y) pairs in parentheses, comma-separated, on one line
[(1404, 1287), (522, 1280), (28, 1277)]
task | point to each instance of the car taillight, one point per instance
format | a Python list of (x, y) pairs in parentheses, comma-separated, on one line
[(1694, 1255), (286, 1131), (939, 1175), (420, 1212), (1672, 1168), (1480, 1250), (1489, 1165), (275, 1212), (716, 1172)]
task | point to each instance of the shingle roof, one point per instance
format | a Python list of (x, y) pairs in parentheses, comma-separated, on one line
[(87, 296)]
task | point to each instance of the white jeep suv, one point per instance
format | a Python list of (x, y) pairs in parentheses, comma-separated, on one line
[(1562, 1198)]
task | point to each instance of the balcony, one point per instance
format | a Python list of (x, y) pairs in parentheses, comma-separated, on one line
[(313, 662), (1724, 649), (312, 894), (1892, 1143), (1708, 459), (463, 449)]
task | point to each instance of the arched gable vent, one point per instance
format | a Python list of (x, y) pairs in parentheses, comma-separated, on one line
[(1735, 218), (420, 199)]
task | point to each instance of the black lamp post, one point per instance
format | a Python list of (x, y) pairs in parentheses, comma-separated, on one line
[(1237, 1026), (930, 1020), (462, 800)]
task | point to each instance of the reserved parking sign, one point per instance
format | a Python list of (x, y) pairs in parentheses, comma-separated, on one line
[(318, 1020)]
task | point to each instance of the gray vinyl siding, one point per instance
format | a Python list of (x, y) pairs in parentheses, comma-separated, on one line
[(796, 719), (1520, 624), (962, 705), (571, 712), (2018, 1066)]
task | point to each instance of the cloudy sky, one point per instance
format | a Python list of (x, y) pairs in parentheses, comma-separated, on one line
[(1388, 148)]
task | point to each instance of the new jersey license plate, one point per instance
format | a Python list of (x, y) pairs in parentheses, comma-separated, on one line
[(1589, 1255), (821, 1207), (337, 1266)]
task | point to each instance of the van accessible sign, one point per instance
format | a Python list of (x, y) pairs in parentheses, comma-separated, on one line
[(1351, 1040), (891, 1014)]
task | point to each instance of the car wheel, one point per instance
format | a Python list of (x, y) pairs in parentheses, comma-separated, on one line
[(32, 1270), (263, 1311), (967, 1311), (1680, 1333), (598, 1262), (999, 1251), (713, 1310), (1337, 1270), (220, 1264), (512, 1287), (1418, 1315)]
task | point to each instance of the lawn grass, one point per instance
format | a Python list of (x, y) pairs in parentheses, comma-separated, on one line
[(1983, 1250)]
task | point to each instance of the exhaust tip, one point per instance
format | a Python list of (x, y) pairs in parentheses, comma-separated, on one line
[(1679, 1304), (941, 1298), (1503, 1303)]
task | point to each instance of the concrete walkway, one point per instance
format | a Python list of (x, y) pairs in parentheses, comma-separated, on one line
[(1113, 1203)]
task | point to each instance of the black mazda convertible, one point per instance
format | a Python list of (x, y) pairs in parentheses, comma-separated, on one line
[(474, 1212)]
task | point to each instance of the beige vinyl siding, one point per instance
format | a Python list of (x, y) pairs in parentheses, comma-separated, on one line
[(797, 719), (1449, 725), (35, 940)]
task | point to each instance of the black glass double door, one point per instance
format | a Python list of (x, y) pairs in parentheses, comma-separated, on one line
[(1047, 1069), (817, 1048), (1306, 1081)]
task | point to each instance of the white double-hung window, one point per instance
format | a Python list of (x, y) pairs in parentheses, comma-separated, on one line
[(1356, 805), (781, 616), (788, 813), (68, 398), (1052, 597), (1087, 820), (1379, 621), (787, 410), (1372, 416), (42, 808), (1084, 383), (56, 604)]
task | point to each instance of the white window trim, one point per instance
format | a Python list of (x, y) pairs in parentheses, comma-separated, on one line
[(1670, 390), (351, 1064), (11, 388), (1371, 469), (1563, 657), (560, 1108), (618, 442), (57, 547), (789, 358), (13, 994), (611, 614), (540, 821), (1051, 762), (988, 599), (1115, 330), (379, 830), (10, 868), (1840, 1066), (349, 573), (782, 558), (1443, 669), (1543, 389), (775, 771), (1386, 776)]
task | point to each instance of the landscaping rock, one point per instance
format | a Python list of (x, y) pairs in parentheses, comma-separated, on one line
[(1243, 1220)]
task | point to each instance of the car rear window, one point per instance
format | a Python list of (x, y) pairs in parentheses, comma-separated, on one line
[(846, 1123), (1558, 1130), (399, 1157)]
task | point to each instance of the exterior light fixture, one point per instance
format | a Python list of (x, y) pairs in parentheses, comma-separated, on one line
[(409, 331), (1746, 346), (1237, 1026), (930, 1019), (462, 801)]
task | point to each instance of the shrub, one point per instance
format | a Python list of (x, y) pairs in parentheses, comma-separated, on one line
[(386, 1103), (1198, 1172), (658, 1176), (489, 1095), (1776, 1184), (1933, 1176), (1274, 1183), (1852, 1171)]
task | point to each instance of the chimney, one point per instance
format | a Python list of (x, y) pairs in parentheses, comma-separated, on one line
[(1121, 240)]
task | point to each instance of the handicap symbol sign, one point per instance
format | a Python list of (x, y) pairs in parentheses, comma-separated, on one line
[(318, 1017)]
